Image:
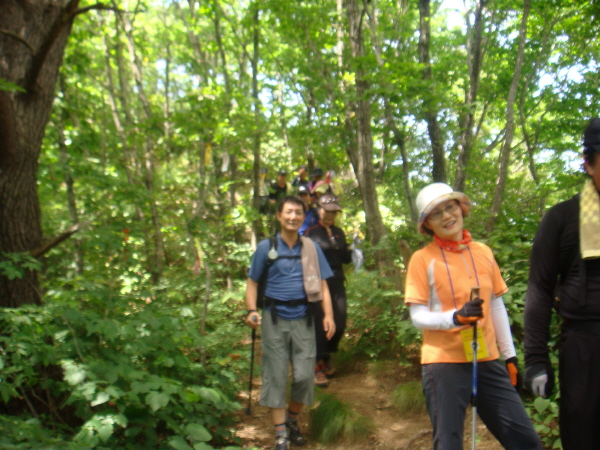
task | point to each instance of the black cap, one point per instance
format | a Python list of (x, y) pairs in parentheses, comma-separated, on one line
[(303, 190), (317, 172), (591, 137), (282, 172)]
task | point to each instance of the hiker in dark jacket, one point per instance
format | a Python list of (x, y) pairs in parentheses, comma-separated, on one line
[(332, 241), (565, 264)]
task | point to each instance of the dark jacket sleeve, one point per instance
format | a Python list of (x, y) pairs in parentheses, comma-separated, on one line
[(541, 291), (347, 255)]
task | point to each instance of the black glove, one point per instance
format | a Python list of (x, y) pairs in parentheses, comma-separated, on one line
[(539, 379), (469, 313), (512, 365)]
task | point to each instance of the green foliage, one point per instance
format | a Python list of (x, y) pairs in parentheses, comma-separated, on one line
[(544, 413), (126, 369), (25, 434), (380, 325), (10, 87), (408, 398), (333, 420), (14, 265)]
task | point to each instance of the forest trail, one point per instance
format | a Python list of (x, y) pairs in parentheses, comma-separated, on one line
[(368, 390)]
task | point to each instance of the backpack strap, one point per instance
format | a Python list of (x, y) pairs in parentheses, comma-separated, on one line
[(262, 283)]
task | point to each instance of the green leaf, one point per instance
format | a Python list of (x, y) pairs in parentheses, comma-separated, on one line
[(203, 446), (197, 432), (178, 443), (101, 397), (157, 400), (105, 428), (74, 374), (541, 404)]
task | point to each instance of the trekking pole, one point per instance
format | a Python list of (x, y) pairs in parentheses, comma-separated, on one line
[(248, 410), (474, 295)]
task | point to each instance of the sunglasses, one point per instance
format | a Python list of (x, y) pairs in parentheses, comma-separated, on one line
[(329, 200)]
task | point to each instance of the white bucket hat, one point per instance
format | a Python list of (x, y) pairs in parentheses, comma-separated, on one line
[(434, 194)]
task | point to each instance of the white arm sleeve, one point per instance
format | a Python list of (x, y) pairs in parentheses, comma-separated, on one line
[(423, 318), (502, 328)]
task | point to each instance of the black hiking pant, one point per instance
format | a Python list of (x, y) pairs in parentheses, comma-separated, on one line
[(579, 366), (337, 289)]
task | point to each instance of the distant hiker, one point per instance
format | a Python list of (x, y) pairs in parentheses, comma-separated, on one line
[(311, 216), (263, 190), (279, 187), (565, 274), (320, 188), (439, 283), (332, 241), (315, 176), (291, 272), (301, 179)]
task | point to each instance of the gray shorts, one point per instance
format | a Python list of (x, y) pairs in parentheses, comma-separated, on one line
[(288, 340)]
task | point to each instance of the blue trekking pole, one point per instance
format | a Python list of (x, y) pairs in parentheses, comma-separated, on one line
[(474, 295)]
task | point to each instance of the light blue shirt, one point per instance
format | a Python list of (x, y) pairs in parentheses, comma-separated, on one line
[(285, 280)]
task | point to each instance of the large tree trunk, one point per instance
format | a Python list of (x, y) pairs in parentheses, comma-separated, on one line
[(429, 106), (361, 154), (33, 37)]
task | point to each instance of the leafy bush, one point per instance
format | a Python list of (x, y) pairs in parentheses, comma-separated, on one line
[(121, 372), (379, 325)]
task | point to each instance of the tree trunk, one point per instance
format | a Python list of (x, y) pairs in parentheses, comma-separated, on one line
[(257, 114), (31, 62), (429, 107), (467, 119), (64, 159), (361, 154), (510, 125)]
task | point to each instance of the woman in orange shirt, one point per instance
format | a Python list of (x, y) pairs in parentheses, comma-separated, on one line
[(439, 286)]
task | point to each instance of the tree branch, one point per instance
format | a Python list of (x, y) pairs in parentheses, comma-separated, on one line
[(18, 38), (99, 6), (40, 56), (50, 244)]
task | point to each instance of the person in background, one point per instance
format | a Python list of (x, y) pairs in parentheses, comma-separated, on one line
[(439, 291), (332, 240), (279, 187), (565, 266), (315, 176), (263, 190), (320, 188), (311, 217), (294, 289), (301, 179)]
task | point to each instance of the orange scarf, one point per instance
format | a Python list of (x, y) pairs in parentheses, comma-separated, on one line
[(454, 246)]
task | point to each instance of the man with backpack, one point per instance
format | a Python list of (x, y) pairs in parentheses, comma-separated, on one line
[(287, 279), (565, 275)]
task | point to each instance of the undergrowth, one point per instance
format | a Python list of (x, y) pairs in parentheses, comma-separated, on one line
[(334, 421)]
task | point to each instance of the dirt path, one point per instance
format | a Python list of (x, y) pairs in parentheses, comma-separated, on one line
[(368, 390)]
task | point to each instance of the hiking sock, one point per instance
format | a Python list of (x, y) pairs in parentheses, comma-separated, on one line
[(290, 416), (280, 430)]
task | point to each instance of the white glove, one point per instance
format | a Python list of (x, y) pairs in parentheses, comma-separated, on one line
[(538, 385)]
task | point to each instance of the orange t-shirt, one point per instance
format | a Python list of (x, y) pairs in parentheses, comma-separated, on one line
[(430, 281)]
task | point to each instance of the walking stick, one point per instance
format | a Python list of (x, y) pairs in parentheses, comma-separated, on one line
[(248, 410), (474, 294)]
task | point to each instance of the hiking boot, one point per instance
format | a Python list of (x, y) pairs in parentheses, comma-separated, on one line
[(320, 378), (329, 370), (294, 434), (282, 443)]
